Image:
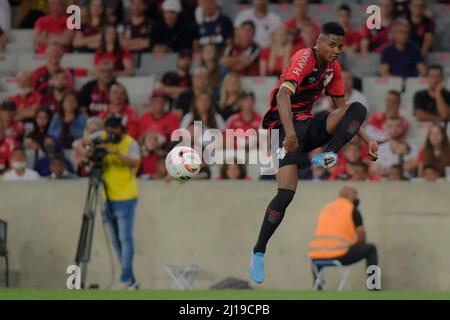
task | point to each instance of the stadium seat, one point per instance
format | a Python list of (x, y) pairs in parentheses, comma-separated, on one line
[(375, 88), (138, 89), (78, 60), (22, 36), (29, 61), (182, 276), (7, 64), (81, 81), (8, 84), (363, 66), (13, 48), (319, 267), (157, 64), (261, 87), (4, 95)]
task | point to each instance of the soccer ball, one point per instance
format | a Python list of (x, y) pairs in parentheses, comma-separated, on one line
[(183, 163)]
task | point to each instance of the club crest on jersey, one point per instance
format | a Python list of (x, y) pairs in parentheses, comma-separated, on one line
[(327, 79)]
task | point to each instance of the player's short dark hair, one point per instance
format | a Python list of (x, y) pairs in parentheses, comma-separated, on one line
[(249, 23), (435, 67), (345, 7), (333, 28)]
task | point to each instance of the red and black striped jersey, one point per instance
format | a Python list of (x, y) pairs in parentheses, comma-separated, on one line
[(306, 80)]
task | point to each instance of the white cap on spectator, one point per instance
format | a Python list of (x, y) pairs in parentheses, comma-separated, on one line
[(172, 5)]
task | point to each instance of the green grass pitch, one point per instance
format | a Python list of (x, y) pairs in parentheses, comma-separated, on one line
[(61, 294)]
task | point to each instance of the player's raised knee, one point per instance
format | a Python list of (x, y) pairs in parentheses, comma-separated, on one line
[(358, 109)]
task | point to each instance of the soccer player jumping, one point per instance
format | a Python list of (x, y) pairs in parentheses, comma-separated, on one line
[(309, 71)]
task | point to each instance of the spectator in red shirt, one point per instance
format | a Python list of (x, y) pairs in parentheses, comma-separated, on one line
[(27, 101), (352, 38), (174, 83), (119, 104), (136, 31), (248, 120), (41, 75), (422, 27), (7, 145), (35, 138), (57, 90), (52, 28), (110, 49), (374, 40), (158, 119), (352, 153), (12, 128), (93, 97), (229, 95), (375, 124), (436, 150), (243, 56), (89, 37), (277, 55), (150, 151), (300, 19), (233, 171)]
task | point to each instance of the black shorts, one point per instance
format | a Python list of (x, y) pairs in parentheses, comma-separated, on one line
[(311, 134)]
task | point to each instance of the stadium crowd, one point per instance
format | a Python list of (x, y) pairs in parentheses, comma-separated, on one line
[(48, 114)]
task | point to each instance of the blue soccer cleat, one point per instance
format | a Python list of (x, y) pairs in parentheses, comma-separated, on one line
[(325, 160), (256, 268)]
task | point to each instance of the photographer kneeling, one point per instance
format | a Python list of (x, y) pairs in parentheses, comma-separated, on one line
[(119, 156)]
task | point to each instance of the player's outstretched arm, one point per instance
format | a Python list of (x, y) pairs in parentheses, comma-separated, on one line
[(285, 109)]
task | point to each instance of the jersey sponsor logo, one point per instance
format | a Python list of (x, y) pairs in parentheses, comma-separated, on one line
[(302, 62), (327, 79)]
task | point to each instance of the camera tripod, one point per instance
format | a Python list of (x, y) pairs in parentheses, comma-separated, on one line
[(91, 206)]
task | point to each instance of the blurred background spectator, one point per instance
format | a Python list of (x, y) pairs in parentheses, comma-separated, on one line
[(58, 169), (135, 32), (397, 149), (265, 22), (119, 104), (422, 27), (300, 19), (374, 40), (56, 90), (93, 97), (11, 127), (433, 103), (376, 122), (233, 172), (230, 93), (402, 57), (172, 33), (18, 168), (41, 123), (200, 84), (68, 124), (277, 55), (88, 39), (436, 151), (209, 58), (111, 50), (52, 28), (242, 57), (50, 148), (213, 27), (27, 101), (173, 83), (352, 39)]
